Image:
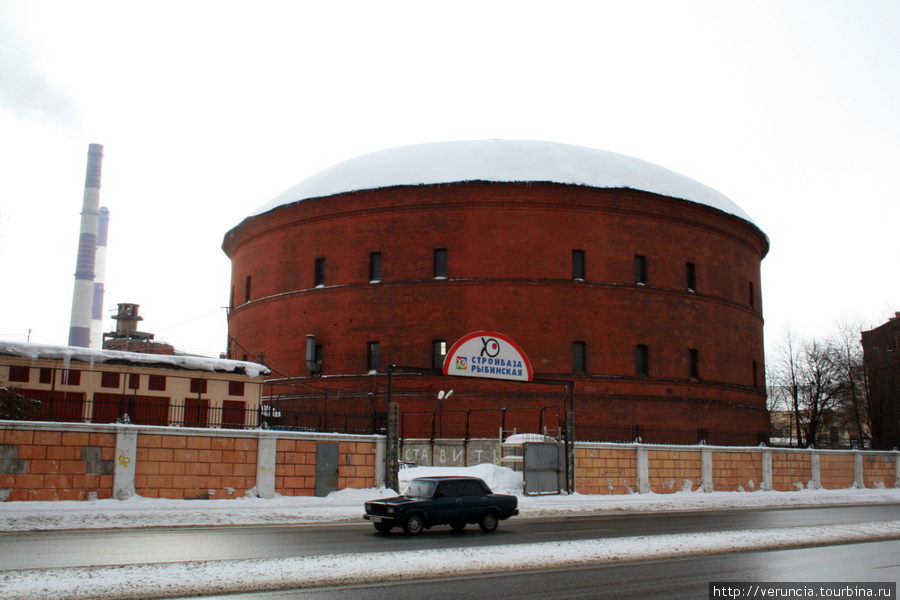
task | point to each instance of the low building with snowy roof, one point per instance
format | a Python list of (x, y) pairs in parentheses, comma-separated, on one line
[(70, 384)]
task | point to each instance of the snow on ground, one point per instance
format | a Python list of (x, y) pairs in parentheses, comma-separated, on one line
[(208, 577)]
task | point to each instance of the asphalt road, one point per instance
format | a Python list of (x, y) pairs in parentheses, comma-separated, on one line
[(80, 548), (668, 580)]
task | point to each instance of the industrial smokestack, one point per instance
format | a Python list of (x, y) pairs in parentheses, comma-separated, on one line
[(83, 296), (99, 280)]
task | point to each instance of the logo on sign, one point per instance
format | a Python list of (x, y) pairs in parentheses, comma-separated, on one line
[(491, 347), (461, 363)]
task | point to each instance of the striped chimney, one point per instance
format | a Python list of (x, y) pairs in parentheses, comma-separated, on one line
[(99, 280), (83, 295)]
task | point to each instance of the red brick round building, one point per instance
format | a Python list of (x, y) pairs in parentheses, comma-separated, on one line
[(638, 284)]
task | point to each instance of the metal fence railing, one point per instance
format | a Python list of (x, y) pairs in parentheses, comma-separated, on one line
[(593, 432), (190, 412), (445, 424)]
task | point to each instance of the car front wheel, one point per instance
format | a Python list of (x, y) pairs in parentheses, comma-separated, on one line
[(413, 525), (383, 527), (489, 522)]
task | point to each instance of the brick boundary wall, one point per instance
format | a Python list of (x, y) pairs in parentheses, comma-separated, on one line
[(72, 461), (625, 468), (56, 461)]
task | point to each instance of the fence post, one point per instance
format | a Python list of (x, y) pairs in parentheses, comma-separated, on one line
[(815, 467), (859, 480), (706, 470), (265, 466), (896, 469), (126, 461), (643, 471), (767, 470)]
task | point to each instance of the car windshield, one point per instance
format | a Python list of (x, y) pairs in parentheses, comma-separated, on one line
[(420, 489)]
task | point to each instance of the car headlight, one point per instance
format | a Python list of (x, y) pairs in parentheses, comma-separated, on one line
[(391, 510)]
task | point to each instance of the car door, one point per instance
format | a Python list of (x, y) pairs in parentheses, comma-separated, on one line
[(473, 500), (445, 506)]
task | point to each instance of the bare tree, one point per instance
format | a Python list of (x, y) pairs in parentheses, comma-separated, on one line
[(822, 387), (848, 342), (805, 378), (783, 375)]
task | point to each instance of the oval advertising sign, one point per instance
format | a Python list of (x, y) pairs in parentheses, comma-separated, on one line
[(487, 354)]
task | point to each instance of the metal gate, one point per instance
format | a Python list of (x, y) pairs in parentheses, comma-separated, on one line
[(540, 467), (326, 468)]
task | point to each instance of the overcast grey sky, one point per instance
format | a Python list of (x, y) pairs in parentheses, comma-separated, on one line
[(207, 110)]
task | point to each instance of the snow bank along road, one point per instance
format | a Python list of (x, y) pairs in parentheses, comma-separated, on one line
[(219, 577)]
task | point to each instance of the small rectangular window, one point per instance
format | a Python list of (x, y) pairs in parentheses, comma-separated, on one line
[(247, 289), (694, 359), (71, 377), (19, 374), (578, 264), (579, 356), (755, 375), (235, 388), (109, 380), (640, 270), (440, 263), (157, 383), (198, 386), (752, 296), (374, 267), (691, 276), (319, 272), (438, 353), (642, 360), (134, 381), (46, 375), (373, 356)]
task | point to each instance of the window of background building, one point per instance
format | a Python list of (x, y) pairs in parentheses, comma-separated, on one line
[(642, 360), (319, 277), (694, 360), (752, 296), (46, 375), (19, 374), (438, 353), (198, 386), (440, 263), (71, 377), (579, 356), (157, 383), (235, 388), (375, 267), (109, 380), (691, 270), (578, 264), (373, 356), (640, 269), (134, 381), (247, 289), (755, 375)]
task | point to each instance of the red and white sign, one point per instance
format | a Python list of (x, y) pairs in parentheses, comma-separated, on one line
[(489, 355)]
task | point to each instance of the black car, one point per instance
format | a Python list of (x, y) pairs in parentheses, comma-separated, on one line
[(430, 501)]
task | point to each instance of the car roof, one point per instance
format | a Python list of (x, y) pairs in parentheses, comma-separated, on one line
[(446, 477)]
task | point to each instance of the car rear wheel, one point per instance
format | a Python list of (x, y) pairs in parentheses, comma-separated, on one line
[(489, 522), (383, 527), (414, 524)]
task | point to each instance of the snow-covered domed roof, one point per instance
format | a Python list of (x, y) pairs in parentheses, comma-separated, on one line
[(500, 161)]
